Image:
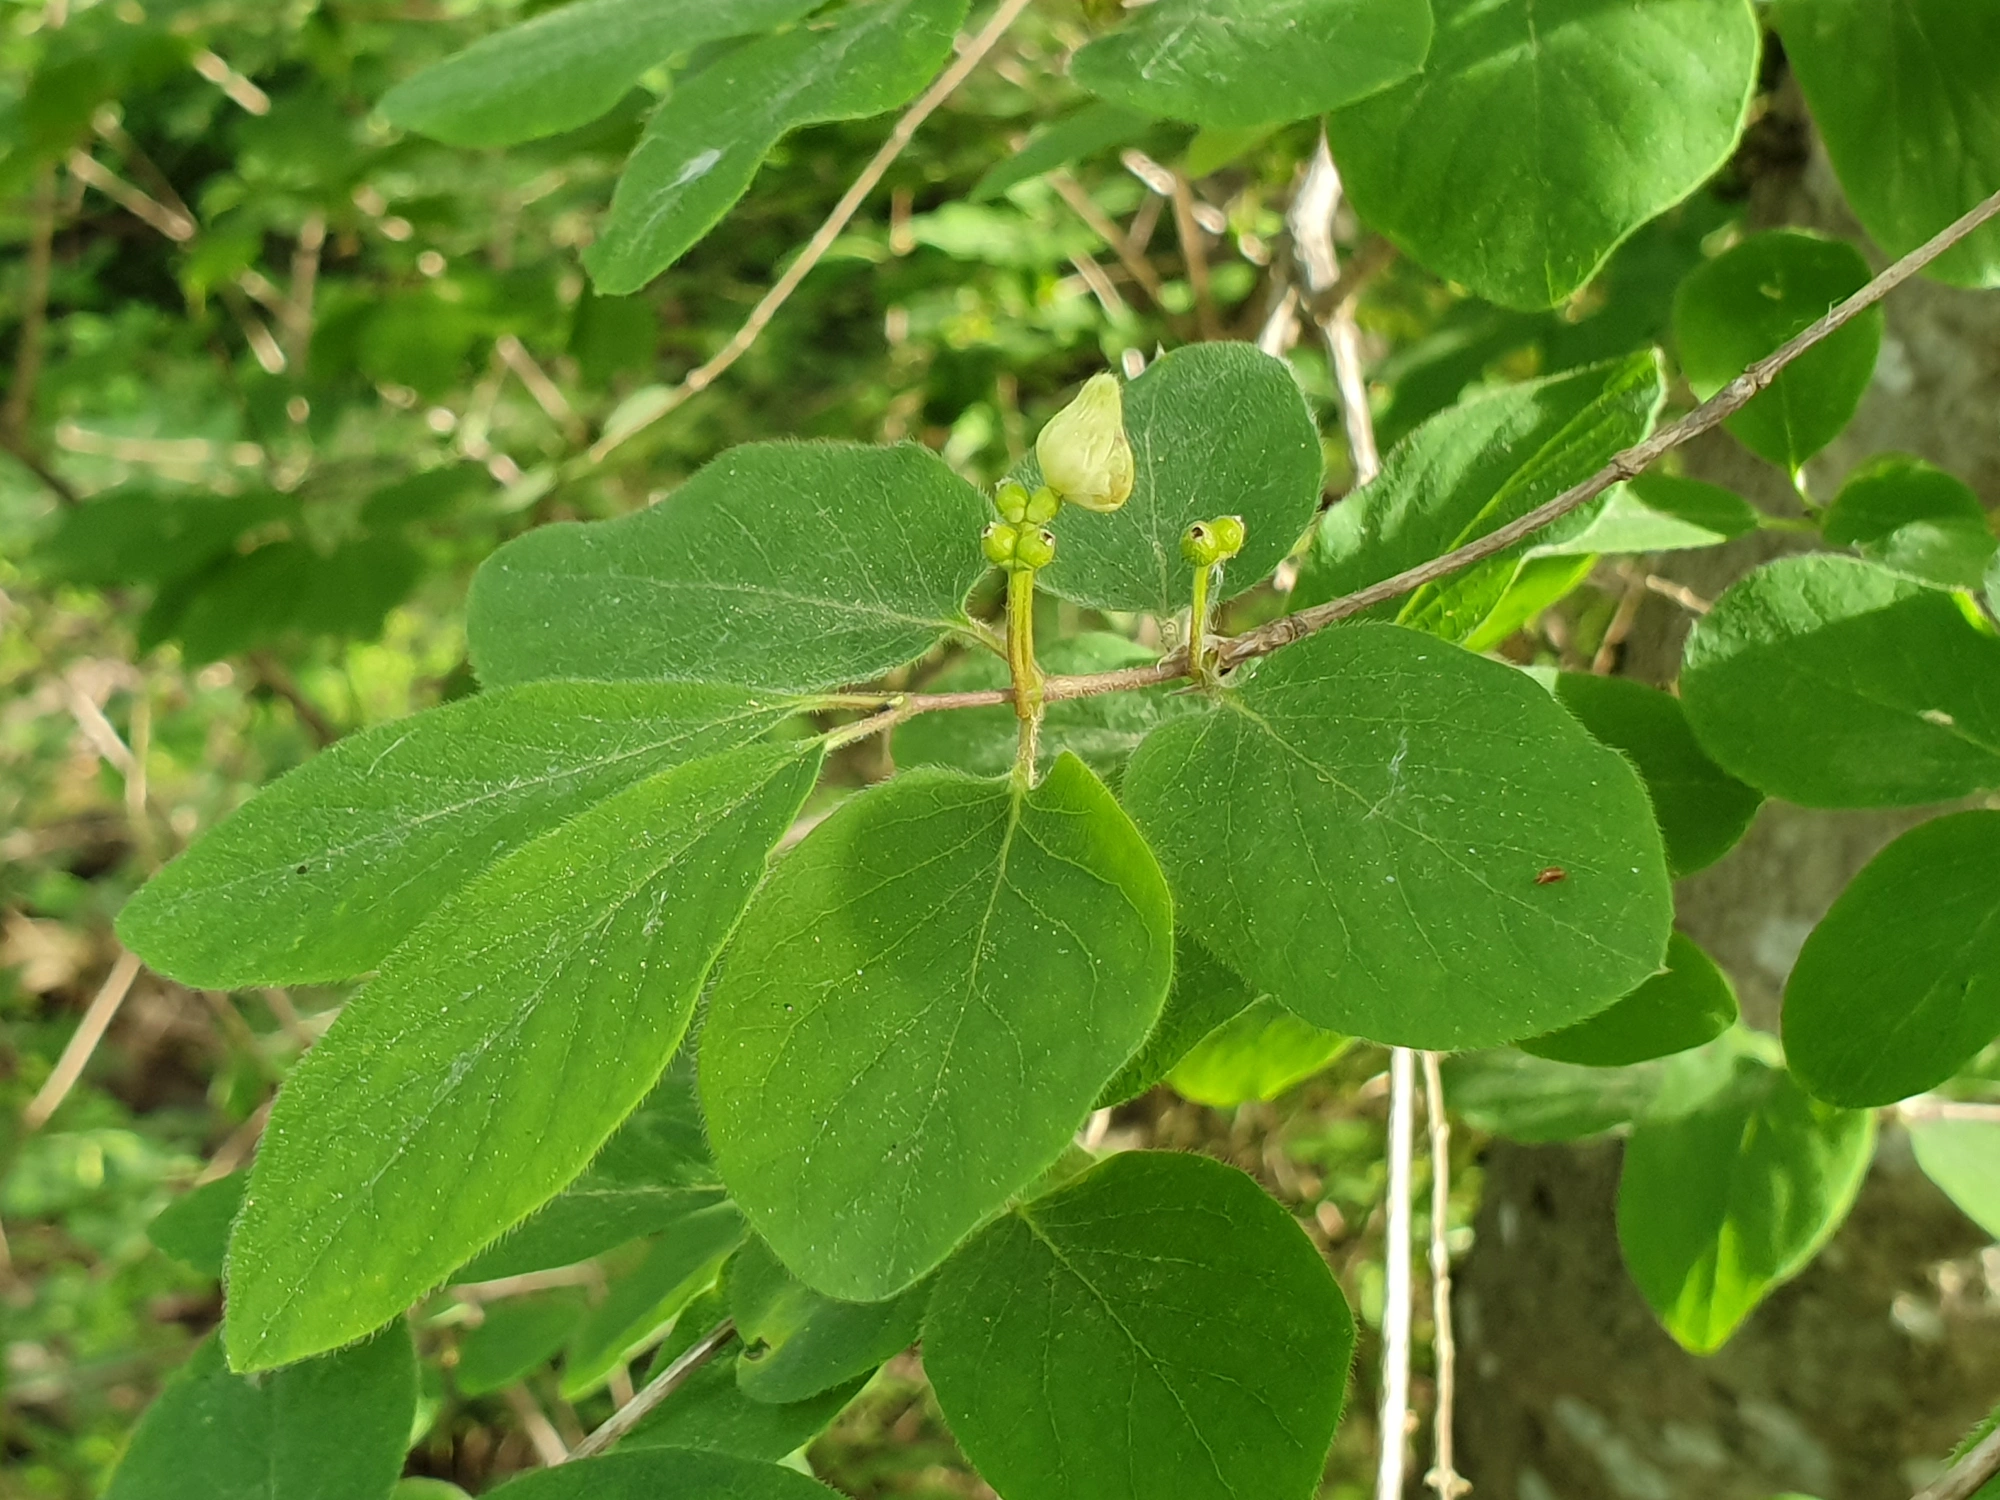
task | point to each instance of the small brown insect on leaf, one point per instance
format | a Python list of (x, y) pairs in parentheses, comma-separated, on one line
[(1551, 875)]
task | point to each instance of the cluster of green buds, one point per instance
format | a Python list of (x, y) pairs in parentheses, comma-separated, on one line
[(1019, 542), (1208, 543)]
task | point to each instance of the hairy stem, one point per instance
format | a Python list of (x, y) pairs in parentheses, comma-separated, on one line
[(1197, 644)]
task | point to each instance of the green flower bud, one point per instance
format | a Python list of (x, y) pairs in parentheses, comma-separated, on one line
[(1083, 452), (1036, 548), (1206, 543), (1011, 500), (999, 542), (1042, 506), (1229, 534)]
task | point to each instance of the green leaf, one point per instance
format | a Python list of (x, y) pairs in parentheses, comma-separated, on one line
[(920, 1010), (1263, 463), (516, 1335), (1689, 1004), (1742, 305), (1658, 513), (289, 587), (1535, 1100), (1800, 681), (1542, 132), (1204, 995), (427, 1489), (496, 1051), (647, 1177), (682, 1264), (1250, 62), (1915, 518), (1157, 1327), (797, 1343), (1963, 1158), (1101, 731), (135, 534), (334, 1426), (565, 67), (703, 147), (1094, 128), (779, 565), (1914, 134), (1899, 985), (1256, 1054), (1719, 1206), (1470, 470), (194, 1229), (639, 1474), (327, 869), (1702, 810), (1361, 829)]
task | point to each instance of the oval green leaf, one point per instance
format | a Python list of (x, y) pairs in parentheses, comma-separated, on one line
[(1156, 1327), (1914, 517), (642, 1474), (797, 1343), (680, 1266), (496, 1051), (515, 1335), (1742, 305), (1799, 681), (1688, 1005), (1963, 1158), (1252, 62), (1363, 831), (1899, 985), (1257, 1053), (1204, 995), (1539, 135), (921, 1008)]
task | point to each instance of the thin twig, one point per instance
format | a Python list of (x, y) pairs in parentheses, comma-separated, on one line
[(548, 395), (705, 375), (1106, 228), (1966, 1477), (34, 320), (1930, 1107), (1395, 1419), (1195, 254), (657, 1390), (236, 1150), (1622, 620), (88, 170), (541, 1432), (77, 1053), (271, 675), (17, 449), (1330, 301), (1443, 1476), (297, 316)]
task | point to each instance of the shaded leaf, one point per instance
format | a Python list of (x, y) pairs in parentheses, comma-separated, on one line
[(194, 1229), (1963, 1158), (682, 1264), (1659, 513), (1691, 1003), (635, 1473), (1204, 995), (135, 534), (1534, 1100), (797, 1343), (517, 1335), (1094, 128), (1912, 516)]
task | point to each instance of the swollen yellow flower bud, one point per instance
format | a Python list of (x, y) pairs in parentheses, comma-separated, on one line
[(1083, 452)]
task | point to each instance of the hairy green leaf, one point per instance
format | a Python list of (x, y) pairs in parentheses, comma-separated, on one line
[(1963, 1158), (636, 1473), (1260, 461), (779, 565), (1251, 62), (1720, 1205), (514, 1336), (1691, 1003), (333, 1426), (1742, 305), (1801, 682), (331, 866), (1257, 1053), (705, 144), (566, 66), (1542, 132), (797, 1343), (1204, 995), (1702, 809), (1903, 94), (1915, 518), (1159, 1326), (496, 1051), (921, 1008), (1899, 985), (1362, 831), (681, 1265)]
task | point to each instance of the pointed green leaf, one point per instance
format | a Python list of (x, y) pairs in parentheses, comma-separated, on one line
[(705, 144), (1532, 1099), (922, 1007), (1256, 1054), (1899, 985), (1800, 681), (1251, 62), (194, 1229), (515, 1336), (136, 534), (1469, 470), (1719, 1206), (1915, 518), (1689, 1004), (1963, 1158), (1101, 731), (328, 868), (1659, 513), (1261, 462), (496, 1051), (682, 1264), (1914, 130), (333, 1426), (1742, 305), (1542, 132), (565, 67), (1204, 995), (1157, 1327), (1094, 128), (1362, 830), (1702, 809), (797, 1343), (780, 565), (648, 1176), (636, 1474)]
